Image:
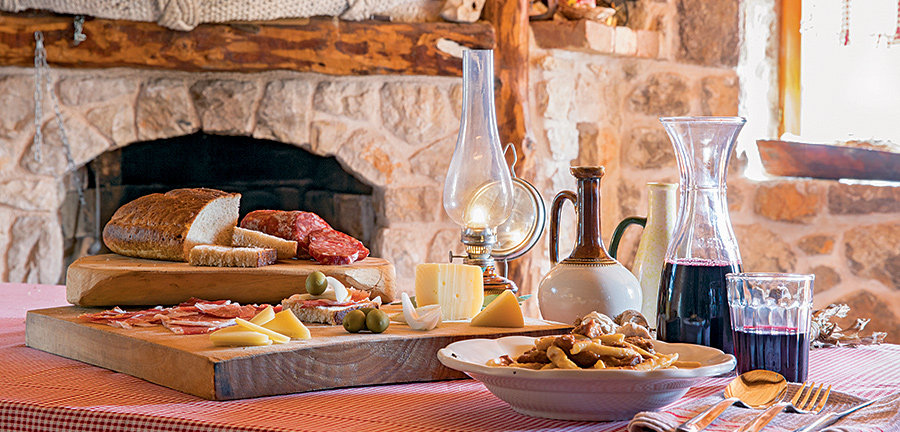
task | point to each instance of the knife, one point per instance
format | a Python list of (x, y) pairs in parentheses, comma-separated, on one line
[(832, 418)]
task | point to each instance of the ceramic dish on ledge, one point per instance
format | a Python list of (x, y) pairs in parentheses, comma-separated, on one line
[(587, 394)]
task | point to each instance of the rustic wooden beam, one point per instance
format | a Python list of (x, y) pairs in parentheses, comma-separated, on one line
[(322, 45), (793, 159), (510, 20), (789, 67)]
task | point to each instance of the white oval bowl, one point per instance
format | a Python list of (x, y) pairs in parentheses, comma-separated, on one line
[(587, 394)]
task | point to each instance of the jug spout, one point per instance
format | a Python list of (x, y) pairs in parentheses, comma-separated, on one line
[(589, 244)]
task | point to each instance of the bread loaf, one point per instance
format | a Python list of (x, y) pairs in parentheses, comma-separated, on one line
[(227, 256), (286, 249), (167, 226)]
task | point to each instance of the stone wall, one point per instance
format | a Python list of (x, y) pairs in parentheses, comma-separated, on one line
[(845, 234), (366, 122)]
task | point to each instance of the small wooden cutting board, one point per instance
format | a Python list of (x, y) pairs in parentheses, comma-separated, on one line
[(190, 363), (116, 280)]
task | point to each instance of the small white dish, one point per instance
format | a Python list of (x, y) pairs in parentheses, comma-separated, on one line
[(589, 394)]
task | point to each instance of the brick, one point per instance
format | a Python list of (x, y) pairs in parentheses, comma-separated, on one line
[(872, 252), (817, 244), (789, 201), (626, 41)]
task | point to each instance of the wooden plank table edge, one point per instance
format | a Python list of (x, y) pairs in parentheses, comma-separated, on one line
[(104, 349)]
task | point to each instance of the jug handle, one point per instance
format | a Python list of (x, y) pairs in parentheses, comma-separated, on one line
[(555, 214), (620, 229)]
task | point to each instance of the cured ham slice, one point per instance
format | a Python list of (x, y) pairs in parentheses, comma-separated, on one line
[(195, 316)]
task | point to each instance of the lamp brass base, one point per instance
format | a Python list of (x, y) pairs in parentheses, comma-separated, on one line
[(496, 284), (479, 242)]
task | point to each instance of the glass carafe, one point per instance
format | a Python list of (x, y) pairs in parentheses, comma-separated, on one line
[(693, 305)]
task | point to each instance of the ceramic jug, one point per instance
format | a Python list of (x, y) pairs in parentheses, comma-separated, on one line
[(589, 279), (659, 227)]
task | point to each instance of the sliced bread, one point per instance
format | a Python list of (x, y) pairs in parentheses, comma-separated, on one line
[(227, 256), (286, 249), (167, 226)]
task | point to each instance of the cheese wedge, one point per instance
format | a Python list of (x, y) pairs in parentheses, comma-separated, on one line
[(458, 288), (286, 323), (230, 337), (275, 336), (263, 317), (504, 311)]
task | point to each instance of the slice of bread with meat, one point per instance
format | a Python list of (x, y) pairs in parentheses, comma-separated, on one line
[(326, 311)]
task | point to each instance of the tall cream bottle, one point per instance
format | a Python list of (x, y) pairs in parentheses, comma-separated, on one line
[(659, 227), (651, 253)]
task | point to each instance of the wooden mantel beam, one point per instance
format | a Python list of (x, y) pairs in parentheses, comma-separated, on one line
[(511, 62), (321, 45)]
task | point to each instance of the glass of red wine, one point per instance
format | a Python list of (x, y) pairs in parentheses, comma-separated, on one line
[(770, 317)]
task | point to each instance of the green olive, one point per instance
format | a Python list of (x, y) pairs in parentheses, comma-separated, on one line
[(316, 283), (354, 321), (366, 310), (377, 321)]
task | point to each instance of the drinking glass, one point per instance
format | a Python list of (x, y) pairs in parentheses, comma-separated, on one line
[(770, 317)]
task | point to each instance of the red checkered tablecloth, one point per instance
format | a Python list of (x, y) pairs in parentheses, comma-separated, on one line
[(44, 392)]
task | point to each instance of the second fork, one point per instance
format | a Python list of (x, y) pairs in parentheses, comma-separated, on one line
[(801, 403)]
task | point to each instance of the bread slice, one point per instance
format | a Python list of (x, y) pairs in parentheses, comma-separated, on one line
[(227, 256), (286, 249), (167, 226), (333, 315)]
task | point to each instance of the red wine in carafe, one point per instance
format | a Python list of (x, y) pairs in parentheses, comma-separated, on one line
[(693, 303), (777, 349)]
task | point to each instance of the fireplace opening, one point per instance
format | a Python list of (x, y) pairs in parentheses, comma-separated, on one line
[(268, 174)]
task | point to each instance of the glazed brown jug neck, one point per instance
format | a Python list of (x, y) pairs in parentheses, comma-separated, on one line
[(589, 247)]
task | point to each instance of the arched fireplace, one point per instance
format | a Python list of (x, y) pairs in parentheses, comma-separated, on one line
[(267, 174)]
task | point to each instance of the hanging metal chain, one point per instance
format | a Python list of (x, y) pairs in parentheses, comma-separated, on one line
[(40, 58), (43, 81)]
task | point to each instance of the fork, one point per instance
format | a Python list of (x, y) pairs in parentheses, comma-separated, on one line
[(801, 403)]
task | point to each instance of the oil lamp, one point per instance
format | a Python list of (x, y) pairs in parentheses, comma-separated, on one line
[(478, 190)]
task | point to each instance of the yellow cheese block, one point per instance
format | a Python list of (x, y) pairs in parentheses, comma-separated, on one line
[(286, 323), (275, 336), (504, 311), (458, 288), (264, 316), (230, 337)]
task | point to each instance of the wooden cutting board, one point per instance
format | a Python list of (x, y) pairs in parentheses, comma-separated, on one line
[(116, 280), (190, 363)]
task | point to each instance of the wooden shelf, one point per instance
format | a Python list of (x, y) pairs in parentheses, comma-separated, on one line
[(321, 45), (596, 38), (793, 159)]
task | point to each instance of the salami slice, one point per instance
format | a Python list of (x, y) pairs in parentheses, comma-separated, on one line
[(289, 225), (334, 247)]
